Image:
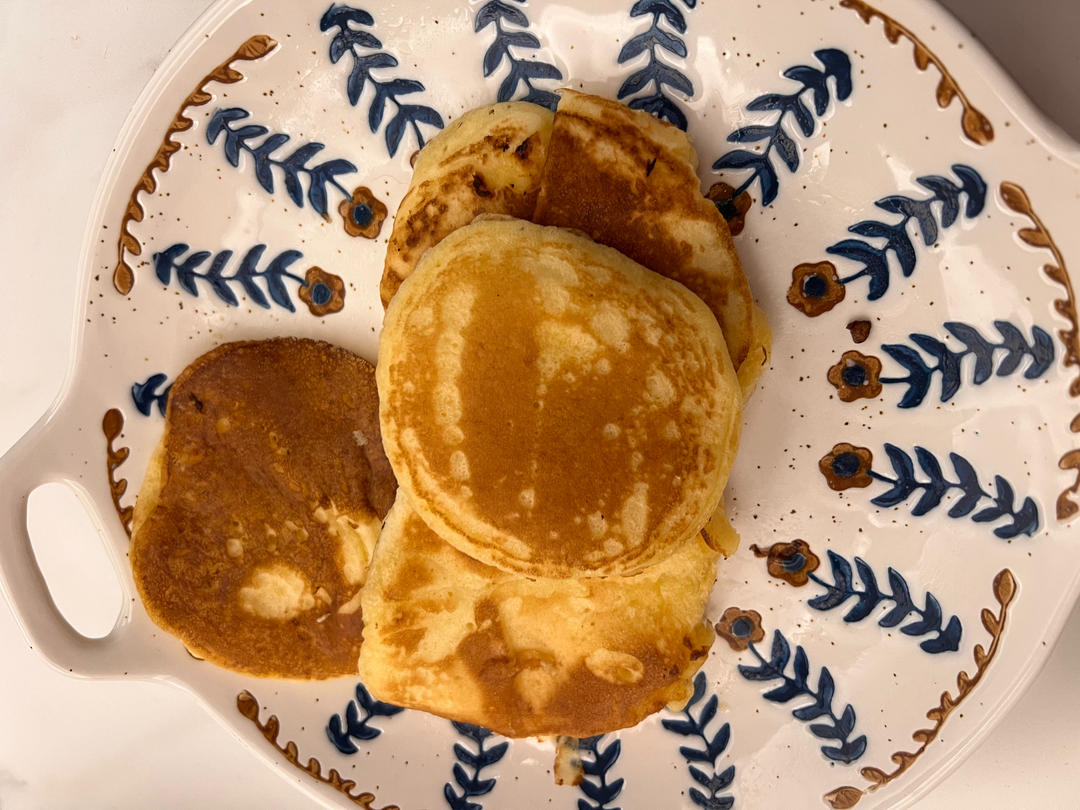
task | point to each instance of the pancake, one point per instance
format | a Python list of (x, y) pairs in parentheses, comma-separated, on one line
[(630, 181), (551, 407), (529, 656), (257, 519), (487, 161)]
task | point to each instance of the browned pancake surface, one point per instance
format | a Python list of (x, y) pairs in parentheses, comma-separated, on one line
[(550, 406), (486, 162), (255, 525), (629, 181), (524, 655)]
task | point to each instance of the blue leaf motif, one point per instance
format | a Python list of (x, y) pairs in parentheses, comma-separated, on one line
[(839, 727), (523, 72), (1024, 520), (343, 22), (470, 763), (355, 726), (293, 167), (596, 761), (926, 213), (1012, 349), (187, 274), (836, 66), (926, 621), (146, 394), (656, 74)]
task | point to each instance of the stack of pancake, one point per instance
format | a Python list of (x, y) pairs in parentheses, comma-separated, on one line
[(568, 340)]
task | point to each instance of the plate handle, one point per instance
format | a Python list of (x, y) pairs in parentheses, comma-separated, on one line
[(39, 458)]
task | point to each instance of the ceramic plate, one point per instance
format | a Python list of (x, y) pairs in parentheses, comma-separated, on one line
[(906, 490)]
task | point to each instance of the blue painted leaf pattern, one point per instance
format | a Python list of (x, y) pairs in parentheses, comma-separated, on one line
[(657, 74), (839, 728), (146, 394), (188, 271), (522, 71), (836, 65), (349, 37), (293, 167), (926, 620), (1022, 520), (943, 204), (355, 726), (714, 745), (597, 760), (470, 763)]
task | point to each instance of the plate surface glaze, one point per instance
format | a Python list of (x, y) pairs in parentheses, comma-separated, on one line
[(907, 485)]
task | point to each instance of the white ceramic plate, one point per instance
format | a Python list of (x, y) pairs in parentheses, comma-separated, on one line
[(976, 281)]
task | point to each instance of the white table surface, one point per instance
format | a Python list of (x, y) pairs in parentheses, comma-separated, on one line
[(69, 72)]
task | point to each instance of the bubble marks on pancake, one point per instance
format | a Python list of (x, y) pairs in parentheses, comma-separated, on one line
[(526, 655), (521, 417), (629, 181)]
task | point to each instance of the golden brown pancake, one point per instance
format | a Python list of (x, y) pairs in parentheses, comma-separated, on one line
[(256, 522), (629, 181), (529, 656), (551, 407), (487, 161)]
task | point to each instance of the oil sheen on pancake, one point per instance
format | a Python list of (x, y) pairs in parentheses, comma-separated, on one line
[(529, 656), (551, 407), (256, 522), (486, 162), (629, 181)]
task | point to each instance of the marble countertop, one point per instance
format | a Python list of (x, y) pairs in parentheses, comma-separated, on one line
[(69, 72)]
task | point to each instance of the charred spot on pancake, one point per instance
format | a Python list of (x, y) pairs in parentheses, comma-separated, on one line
[(256, 521), (479, 186), (524, 149), (470, 168)]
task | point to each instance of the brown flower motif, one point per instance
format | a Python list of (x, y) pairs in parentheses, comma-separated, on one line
[(733, 208), (815, 288), (363, 214), (855, 376), (324, 293), (847, 466), (739, 628), (792, 562)]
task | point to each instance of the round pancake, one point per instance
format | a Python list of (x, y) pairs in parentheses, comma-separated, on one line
[(529, 656), (630, 181), (551, 407), (488, 161), (260, 510)]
